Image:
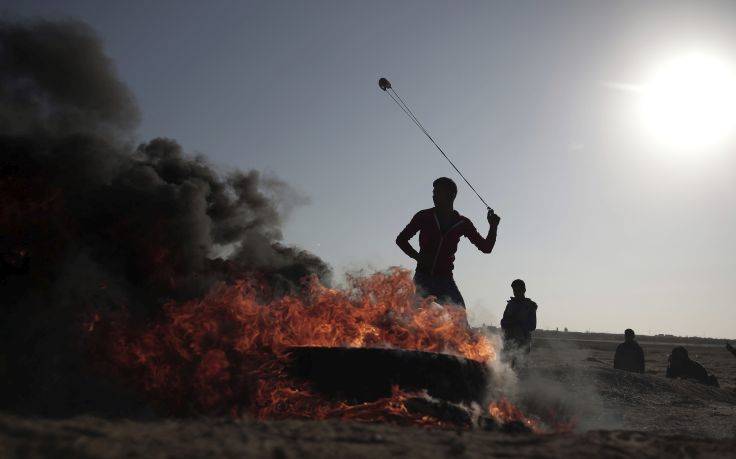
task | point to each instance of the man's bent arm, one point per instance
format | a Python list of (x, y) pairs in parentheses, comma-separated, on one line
[(402, 240), (486, 244)]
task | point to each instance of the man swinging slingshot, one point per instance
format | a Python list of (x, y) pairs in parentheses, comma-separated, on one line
[(440, 227)]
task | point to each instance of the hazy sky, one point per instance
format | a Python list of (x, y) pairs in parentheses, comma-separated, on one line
[(609, 229)]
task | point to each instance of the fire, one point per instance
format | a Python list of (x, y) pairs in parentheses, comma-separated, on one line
[(226, 352), (504, 412), (289, 402)]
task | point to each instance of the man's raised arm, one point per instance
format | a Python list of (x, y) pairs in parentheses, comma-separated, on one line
[(402, 240), (485, 244)]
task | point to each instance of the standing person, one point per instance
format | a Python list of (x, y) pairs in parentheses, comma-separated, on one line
[(440, 229), (519, 319), (629, 355)]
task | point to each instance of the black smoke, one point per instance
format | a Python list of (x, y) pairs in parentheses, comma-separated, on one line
[(92, 222)]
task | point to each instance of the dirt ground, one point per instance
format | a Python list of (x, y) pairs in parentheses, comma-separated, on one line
[(715, 358), (619, 415), (579, 377), (91, 437)]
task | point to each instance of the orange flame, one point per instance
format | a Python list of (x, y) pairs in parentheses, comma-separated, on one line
[(226, 352), (504, 411)]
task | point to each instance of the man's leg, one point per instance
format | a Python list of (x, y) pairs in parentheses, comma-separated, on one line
[(423, 284), (509, 351), (528, 345), (453, 293), (444, 289)]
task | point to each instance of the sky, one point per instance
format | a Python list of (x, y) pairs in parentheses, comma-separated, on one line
[(609, 227)]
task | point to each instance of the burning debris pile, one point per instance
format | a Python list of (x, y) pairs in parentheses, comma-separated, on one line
[(231, 352), (89, 222), (109, 276)]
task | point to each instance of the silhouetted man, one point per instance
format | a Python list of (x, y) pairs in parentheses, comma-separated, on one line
[(629, 355), (519, 319), (731, 349), (680, 366), (440, 229)]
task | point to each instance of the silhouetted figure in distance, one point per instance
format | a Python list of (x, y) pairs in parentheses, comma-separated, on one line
[(731, 349), (440, 229), (519, 319), (680, 366), (629, 355)]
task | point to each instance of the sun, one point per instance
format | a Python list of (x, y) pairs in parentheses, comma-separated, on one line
[(689, 103)]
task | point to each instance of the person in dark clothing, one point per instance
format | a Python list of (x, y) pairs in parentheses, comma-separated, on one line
[(731, 349), (440, 229), (629, 355), (519, 319), (680, 366)]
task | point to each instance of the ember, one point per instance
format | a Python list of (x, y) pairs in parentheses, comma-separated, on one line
[(505, 412)]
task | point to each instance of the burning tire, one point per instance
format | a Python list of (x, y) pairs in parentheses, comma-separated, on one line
[(362, 375)]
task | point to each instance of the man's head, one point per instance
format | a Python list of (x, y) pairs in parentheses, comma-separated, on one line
[(629, 335), (519, 288), (444, 192)]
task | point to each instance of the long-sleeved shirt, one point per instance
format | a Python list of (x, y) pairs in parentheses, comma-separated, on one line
[(519, 319), (630, 357), (437, 248)]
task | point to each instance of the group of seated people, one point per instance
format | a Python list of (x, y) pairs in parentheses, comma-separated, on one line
[(630, 357)]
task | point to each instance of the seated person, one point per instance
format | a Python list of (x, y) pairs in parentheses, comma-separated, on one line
[(629, 355), (680, 366), (519, 319)]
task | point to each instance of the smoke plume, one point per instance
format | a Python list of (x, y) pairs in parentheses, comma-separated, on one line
[(90, 222)]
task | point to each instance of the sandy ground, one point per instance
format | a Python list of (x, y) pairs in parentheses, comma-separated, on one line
[(579, 377), (619, 415), (91, 437)]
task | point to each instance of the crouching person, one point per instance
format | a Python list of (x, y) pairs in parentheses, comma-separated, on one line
[(681, 366), (519, 321)]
